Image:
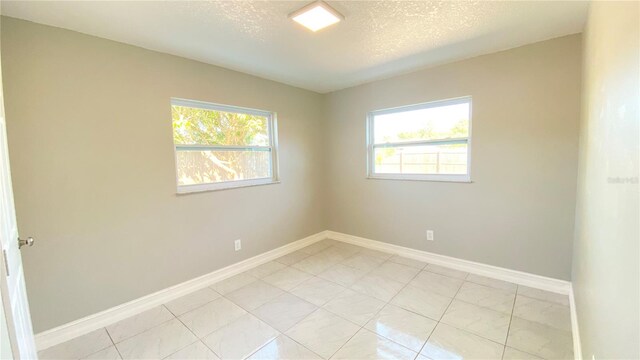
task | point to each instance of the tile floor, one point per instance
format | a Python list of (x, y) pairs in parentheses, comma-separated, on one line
[(339, 301)]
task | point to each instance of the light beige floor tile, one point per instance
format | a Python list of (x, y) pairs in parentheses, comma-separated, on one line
[(409, 262), (545, 312), (284, 311), (489, 324), (78, 347), (315, 264), (446, 271), (354, 306), (212, 316), (233, 283), (336, 254), (253, 295), (492, 298), (378, 286), (265, 269), (439, 284), (367, 345), (396, 272), (543, 295), (316, 247), (136, 324), (317, 291), (363, 262), (330, 242), (288, 278), (447, 342), (157, 342), (293, 257), (403, 327), (110, 353), (494, 283), (240, 338), (283, 348), (342, 274), (195, 351), (421, 301), (513, 354), (541, 340), (375, 253), (323, 332), (191, 301), (348, 249), (344, 245)]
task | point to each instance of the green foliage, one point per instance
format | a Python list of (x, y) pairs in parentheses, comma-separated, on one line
[(460, 129), (209, 127), (193, 126)]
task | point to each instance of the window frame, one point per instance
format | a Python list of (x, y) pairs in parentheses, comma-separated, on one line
[(272, 129), (371, 145)]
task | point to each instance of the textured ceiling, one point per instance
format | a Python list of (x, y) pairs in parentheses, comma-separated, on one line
[(378, 38)]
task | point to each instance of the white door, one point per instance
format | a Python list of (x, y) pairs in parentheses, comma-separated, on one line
[(12, 287)]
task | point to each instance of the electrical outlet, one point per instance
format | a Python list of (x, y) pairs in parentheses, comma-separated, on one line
[(238, 244), (430, 235)]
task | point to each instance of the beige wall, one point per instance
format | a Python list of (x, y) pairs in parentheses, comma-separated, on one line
[(519, 211), (91, 148), (606, 265)]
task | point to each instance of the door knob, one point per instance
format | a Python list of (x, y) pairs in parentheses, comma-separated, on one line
[(28, 241)]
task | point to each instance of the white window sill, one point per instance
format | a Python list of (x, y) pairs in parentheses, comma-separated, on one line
[(188, 189), (437, 178)]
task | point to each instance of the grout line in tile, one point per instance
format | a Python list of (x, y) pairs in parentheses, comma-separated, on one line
[(141, 332), (204, 336), (185, 325), (322, 307), (545, 301), (184, 347), (294, 340), (441, 316), (376, 314), (510, 320), (114, 343), (195, 308), (526, 352), (484, 307), (261, 347), (276, 338)]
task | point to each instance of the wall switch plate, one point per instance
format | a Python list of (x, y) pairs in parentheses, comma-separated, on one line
[(238, 244), (430, 235)]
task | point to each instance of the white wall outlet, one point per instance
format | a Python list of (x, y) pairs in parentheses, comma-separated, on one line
[(238, 244), (430, 235)]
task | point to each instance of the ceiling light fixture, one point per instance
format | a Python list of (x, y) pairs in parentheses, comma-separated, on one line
[(316, 16)]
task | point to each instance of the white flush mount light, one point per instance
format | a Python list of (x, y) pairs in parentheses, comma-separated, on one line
[(316, 16)]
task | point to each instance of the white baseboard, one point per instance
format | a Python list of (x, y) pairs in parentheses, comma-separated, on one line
[(514, 276), (96, 321), (575, 330)]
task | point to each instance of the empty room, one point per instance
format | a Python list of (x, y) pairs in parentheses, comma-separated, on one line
[(320, 180)]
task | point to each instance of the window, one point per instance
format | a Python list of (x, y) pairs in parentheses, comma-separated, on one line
[(220, 146), (428, 141)]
